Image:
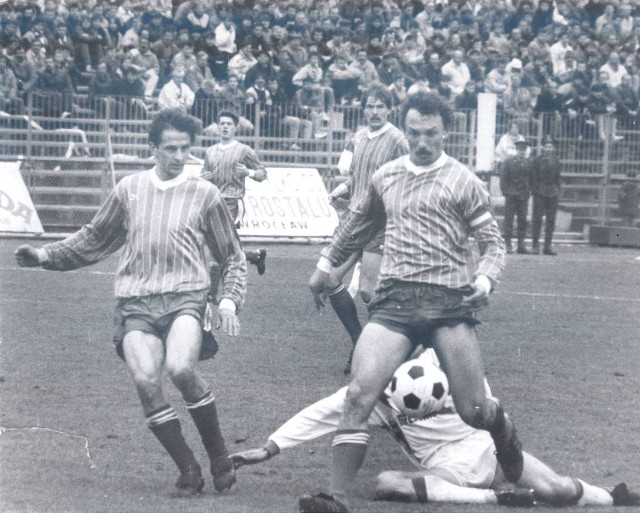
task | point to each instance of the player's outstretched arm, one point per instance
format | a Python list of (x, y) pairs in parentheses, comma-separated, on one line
[(27, 256), (255, 456)]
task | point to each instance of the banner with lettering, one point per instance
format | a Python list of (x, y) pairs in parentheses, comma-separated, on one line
[(17, 213), (292, 202)]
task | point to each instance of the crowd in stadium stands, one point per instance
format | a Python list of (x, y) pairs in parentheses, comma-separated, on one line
[(297, 59)]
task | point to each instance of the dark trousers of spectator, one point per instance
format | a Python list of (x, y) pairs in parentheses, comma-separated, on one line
[(547, 207), (515, 207)]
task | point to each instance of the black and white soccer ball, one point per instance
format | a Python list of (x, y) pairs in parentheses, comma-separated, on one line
[(418, 388)]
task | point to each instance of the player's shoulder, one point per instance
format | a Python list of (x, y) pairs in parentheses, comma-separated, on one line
[(390, 168)]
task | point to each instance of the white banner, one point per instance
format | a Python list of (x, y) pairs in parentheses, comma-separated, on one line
[(291, 202), (17, 213)]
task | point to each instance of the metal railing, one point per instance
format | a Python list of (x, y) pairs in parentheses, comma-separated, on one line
[(73, 159)]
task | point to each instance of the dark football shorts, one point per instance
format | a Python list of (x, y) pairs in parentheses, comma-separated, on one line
[(155, 314), (415, 310), (235, 206)]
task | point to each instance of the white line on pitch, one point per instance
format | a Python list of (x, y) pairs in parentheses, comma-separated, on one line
[(37, 269), (570, 296)]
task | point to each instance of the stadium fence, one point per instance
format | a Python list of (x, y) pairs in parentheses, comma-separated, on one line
[(72, 159)]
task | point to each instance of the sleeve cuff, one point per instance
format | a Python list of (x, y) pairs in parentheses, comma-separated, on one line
[(484, 282), (324, 264), (43, 258), (272, 448), (227, 304)]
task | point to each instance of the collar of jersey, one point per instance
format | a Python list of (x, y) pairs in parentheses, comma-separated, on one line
[(418, 170), (224, 146), (164, 185), (380, 131)]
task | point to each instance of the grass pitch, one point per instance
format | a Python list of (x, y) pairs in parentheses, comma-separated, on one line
[(560, 343)]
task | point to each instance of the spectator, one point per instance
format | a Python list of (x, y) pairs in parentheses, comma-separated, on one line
[(60, 41), (225, 42), (458, 73), (165, 50), (517, 102), (24, 70), (37, 54), (340, 46), (147, 64), (257, 102), (10, 102), (200, 72), (309, 106), (185, 58), (196, 19), (627, 105), (103, 84), (312, 70), (506, 147), (53, 92), (240, 63), (176, 93), (558, 52), (130, 104), (398, 90), (205, 104), (155, 24), (258, 40), (564, 71), (344, 80), (615, 71), (542, 17), (549, 106), (365, 71), (295, 50), (498, 79), (89, 42), (277, 41), (389, 68)]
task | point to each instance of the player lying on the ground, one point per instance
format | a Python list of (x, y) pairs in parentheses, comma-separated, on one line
[(457, 462)]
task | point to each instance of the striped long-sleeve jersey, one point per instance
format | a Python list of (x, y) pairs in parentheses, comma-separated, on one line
[(366, 152), (220, 167), (430, 212), (163, 227)]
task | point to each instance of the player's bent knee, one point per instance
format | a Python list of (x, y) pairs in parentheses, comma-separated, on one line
[(181, 375), (358, 402)]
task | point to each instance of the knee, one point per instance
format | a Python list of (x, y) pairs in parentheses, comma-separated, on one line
[(358, 403), (560, 491), (365, 295), (181, 375)]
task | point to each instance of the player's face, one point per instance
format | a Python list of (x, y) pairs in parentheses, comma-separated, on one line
[(375, 113), (172, 153), (227, 128), (426, 135)]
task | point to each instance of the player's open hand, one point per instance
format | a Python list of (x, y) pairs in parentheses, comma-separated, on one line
[(249, 457), (318, 283), (27, 256), (228, 322)]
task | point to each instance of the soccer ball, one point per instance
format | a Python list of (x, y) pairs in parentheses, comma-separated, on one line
[(418, 388)]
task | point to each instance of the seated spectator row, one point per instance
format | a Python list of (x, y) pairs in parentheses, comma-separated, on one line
[(570, 56)]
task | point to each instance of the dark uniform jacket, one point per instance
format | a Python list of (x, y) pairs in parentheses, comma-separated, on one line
[(545, 176), (516, 177)]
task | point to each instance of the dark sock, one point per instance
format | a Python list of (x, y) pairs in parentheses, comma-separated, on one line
[(349, 451), (345, 307), (252, 256), (165, 425), (420, 486), (205, 416)]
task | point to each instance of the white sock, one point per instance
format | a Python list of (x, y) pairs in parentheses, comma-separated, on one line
[(594, 495), (439, 490), (354, 286)]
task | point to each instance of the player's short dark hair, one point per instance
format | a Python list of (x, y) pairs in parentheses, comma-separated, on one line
[(173, 119), (427, 104), (229, 114), (379, 92)]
